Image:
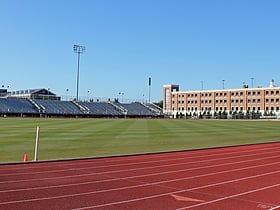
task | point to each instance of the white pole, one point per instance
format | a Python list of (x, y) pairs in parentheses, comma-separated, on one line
[(37, 144)]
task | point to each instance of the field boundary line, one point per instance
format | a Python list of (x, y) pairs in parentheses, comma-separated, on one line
[(142, 168), (141, 154)]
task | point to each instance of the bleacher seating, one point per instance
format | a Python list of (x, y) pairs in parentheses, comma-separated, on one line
[(12, 105), (100, 108), (136, 109), (58, 107), (39, 107)]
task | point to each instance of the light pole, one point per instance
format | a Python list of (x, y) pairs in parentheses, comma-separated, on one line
[(79, 50), (223, 83), (67, 89), (120, 93), (252, 82)]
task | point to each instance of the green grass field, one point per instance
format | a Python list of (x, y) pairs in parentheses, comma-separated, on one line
[(71, 138)]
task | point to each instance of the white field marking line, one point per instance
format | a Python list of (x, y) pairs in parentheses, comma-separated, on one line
[(143, 168), (157, 156), (231, 196), (146, 175), (276, 207), (164, 166), (179, 191), (134, 169)]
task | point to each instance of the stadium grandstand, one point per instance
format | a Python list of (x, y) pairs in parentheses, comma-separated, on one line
[(44, 103)]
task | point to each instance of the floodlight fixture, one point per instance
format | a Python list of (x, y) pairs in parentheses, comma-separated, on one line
[(79, 49)]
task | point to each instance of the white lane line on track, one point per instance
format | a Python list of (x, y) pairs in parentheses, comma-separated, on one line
[(75, 164), (161, 166), (179, 191), (276, 207), (231, 196), (146, 175), (142, 168), (143, 185)]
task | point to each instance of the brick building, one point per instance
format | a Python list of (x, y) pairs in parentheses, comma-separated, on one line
[(263, 101)]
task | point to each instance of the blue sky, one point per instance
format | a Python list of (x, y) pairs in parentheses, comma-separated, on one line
[(127, 41)]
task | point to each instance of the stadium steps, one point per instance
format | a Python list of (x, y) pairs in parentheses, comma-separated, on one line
[(119, 108), (83, 109)]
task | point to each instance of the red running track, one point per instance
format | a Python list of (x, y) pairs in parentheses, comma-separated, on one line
[(243, 177)]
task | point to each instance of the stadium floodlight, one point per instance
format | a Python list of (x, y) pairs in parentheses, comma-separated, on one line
[(252, 82), (79, 50)]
